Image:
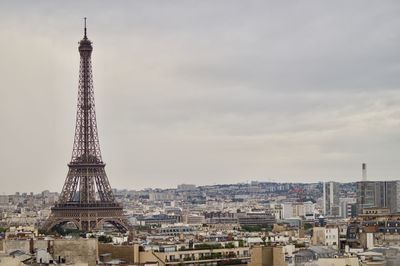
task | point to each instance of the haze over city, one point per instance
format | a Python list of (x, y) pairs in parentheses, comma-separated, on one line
[(203, 92)]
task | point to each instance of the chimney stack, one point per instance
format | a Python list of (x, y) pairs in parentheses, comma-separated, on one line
[(364, 172)]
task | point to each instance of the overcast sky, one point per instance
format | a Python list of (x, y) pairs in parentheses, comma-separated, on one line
[(203, 92)]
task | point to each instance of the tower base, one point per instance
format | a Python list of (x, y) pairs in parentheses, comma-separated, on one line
[(87, 217)]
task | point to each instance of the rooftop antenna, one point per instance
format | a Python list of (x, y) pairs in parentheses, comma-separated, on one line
[(85, 28)]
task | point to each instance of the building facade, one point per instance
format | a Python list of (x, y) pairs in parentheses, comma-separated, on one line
[(331, 199), (378, 194)]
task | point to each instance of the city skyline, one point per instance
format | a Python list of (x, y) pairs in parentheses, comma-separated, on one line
[(203, 93)]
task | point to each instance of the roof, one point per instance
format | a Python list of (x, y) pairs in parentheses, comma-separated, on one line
[(323, 250), (17, 253), (254, 240), (369, 253), (304, 253)]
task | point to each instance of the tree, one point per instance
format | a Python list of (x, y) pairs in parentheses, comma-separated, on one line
[(229, 245), (105, 239), (307, 226), (40, 231)]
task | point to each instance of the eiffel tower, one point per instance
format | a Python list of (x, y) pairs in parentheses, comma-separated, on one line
[(79, 203)]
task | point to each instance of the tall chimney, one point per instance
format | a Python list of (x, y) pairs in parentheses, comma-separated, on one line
[(364, 172)]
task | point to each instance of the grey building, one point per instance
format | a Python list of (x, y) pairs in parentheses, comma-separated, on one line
[(379, 194), (365, 195), (393, 196), (256, 219)]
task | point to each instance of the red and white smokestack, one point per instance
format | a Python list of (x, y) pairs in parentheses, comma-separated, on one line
[(364, 172)]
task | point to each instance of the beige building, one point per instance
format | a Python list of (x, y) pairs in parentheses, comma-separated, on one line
[(89, 252), (338, 262), (194, 219), (326, 236), (170, 256), (266, 256), (72, 251)]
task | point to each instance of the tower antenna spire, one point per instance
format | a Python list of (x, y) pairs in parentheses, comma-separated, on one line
[(85, 28)]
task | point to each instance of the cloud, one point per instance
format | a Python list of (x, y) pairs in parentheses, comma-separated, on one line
[(203, 91)]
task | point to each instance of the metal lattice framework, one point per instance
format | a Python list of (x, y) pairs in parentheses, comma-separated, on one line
[(86, 199)]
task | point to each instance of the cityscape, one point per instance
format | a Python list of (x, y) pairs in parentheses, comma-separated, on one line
[(254, 221)]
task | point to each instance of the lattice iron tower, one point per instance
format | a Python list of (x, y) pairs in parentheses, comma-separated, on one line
[(86, 198)]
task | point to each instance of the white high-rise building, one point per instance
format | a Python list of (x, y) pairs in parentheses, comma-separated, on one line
[(331, 199)]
